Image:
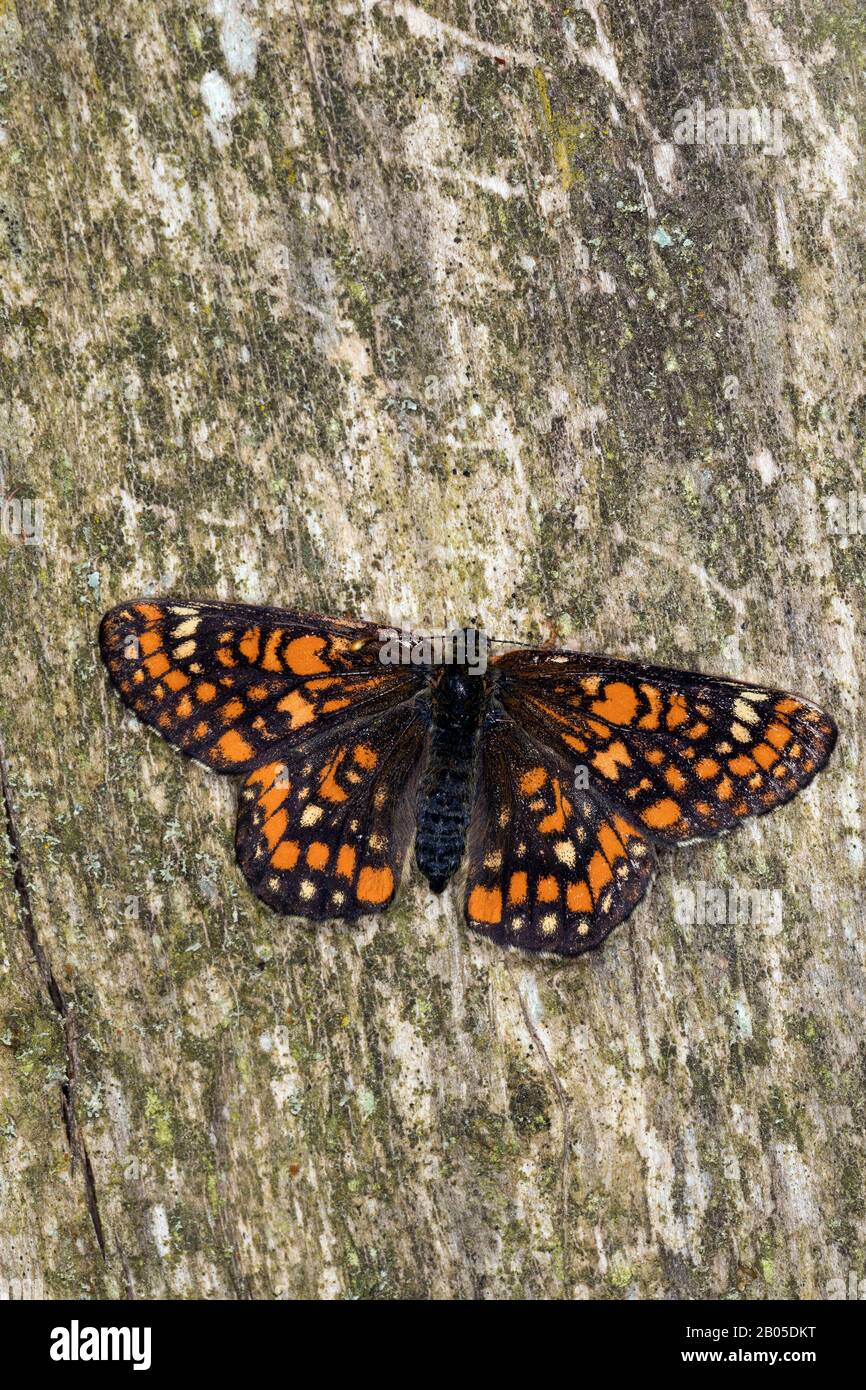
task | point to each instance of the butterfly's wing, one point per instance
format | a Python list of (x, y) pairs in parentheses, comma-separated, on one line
[(550, 868), (323, 832), (684, 756), (236, 686)]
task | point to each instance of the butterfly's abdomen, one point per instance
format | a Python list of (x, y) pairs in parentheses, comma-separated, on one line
[(447, 785)]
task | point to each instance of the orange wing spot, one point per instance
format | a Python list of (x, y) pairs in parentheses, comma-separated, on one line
[(233, 710), (661, 813), (578, 898), (201, 729), (374, 885), (765, 756), (176, 680), (165, 720), (725, 789), (677, 712), (258, 692), (651, 720), (610, 843), (250, 643), (270, 660), (225, 656), (603, 730), (157, 665), (265, 776), (205, 692), (777, 734), (300, 711), (624, 830), (675, 778), (302, 656), (150, 641), (517, 889), (600, 873), (574, 742), (318, 855), (485, 905), (329, 787), (609, 760), (346, 861), (555, 822), (331, 705), (547, 890), (619, 705), (365, 756), (272, 799), (703, 808), (274, 827), (655, 756), (697, 730), (286, 854), (532, 782), (787, 706), (707, 767), (742, 765), (185, 707), (323, 683), (148, 611), (234, 748)]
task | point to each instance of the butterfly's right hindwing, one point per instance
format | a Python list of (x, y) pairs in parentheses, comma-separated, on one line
[(551, 868)]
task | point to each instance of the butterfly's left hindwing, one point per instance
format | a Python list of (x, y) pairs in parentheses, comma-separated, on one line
[(324, 834), (234, 685)]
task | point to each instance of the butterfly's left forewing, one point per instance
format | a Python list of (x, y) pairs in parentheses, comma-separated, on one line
[(234, 685)]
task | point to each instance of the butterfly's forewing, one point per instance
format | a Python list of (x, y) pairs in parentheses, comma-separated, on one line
[(683, 755), (235, 686), (324, 834), (550, 868)]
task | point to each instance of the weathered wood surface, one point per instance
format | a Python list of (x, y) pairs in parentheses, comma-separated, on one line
[(364, 307)]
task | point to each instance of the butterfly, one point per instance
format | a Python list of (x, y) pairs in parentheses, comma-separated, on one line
[(555, 774)]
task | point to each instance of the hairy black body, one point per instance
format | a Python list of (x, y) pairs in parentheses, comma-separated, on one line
[(459, 700)]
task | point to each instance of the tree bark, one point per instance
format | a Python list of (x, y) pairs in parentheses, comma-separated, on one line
[(422, 314)]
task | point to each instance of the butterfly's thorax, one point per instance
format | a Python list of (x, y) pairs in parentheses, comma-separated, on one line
[(445, 793)]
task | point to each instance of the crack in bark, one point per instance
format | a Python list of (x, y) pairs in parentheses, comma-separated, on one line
[(565, 1107), (72, 1125)]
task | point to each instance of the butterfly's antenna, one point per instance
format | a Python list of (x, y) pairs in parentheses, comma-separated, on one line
[(511, 642)]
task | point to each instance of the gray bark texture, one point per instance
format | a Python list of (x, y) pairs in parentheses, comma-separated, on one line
[(420, 312)]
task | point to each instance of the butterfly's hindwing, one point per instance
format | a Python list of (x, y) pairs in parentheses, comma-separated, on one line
[(686, 756), (234, 685), (324, 834), (550, 868)]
